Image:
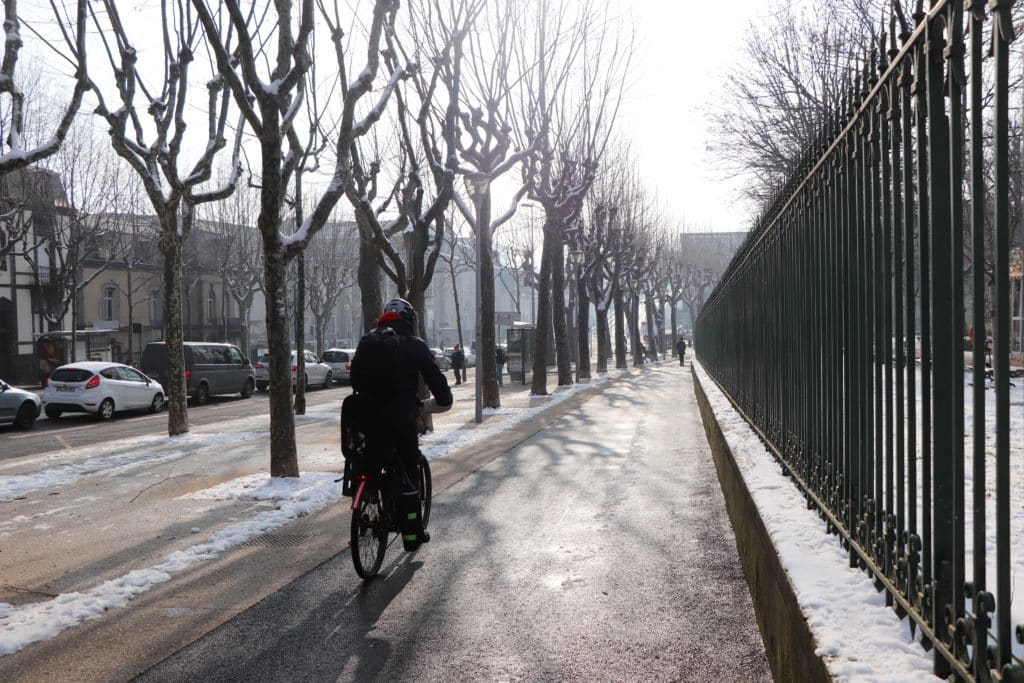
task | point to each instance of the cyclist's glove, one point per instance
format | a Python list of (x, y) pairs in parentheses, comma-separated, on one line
[(432, 406)]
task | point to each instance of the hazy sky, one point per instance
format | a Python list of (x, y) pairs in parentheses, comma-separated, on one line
[(684, 48)]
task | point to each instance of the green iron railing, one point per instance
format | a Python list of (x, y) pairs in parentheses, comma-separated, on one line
[(860, 260)]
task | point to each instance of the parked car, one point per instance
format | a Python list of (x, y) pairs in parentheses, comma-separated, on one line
[(18, 406), (340, 361), (210, 369), (101, 389), (442, 360), (469, 355), (317, 373)]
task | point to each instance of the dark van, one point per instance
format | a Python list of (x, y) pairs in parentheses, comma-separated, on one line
[(209, 369)]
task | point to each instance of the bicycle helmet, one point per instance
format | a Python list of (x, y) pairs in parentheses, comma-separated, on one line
[(399, 308)]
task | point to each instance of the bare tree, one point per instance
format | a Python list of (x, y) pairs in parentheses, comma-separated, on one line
[(270, 87), (147, 128), (458, 258), (15, 151), (330, 270), (572, 101), (83, 170)]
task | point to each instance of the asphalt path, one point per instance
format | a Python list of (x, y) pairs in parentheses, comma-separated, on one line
[(599, 548)]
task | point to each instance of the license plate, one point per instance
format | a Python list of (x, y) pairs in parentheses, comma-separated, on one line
[(67, 389)]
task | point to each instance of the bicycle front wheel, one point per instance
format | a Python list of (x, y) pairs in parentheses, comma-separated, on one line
[(425, 491), (369, 536)]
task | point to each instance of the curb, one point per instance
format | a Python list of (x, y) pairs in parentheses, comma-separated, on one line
[(787, 637)]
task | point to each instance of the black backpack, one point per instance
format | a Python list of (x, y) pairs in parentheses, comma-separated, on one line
[(377, 361)]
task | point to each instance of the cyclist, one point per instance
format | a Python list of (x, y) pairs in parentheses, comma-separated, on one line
[(385, 372)]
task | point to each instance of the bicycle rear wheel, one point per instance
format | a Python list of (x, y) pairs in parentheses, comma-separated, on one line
[(425, 491), (369, 536)]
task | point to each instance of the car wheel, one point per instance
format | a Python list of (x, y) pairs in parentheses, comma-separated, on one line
[(26, 415), (158, 404), (202, 394), (327, 380), (106, 410), (54, 413), (249, 387)]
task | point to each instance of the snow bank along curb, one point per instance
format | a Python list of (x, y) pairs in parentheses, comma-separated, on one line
[(787, 637), (818, 618)]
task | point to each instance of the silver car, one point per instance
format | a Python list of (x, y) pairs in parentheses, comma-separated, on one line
[(317, 373), (18, 406)]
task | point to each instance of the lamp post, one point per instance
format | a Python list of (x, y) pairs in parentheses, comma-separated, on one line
[(477, 187)]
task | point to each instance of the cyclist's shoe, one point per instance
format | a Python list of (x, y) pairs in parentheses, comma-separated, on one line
[(413, 541)]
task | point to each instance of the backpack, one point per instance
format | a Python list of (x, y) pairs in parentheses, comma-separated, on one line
[(377, 361)]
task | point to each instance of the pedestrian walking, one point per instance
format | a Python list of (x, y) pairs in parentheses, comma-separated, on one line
[(499, 362), (459, 364), (681, 350)]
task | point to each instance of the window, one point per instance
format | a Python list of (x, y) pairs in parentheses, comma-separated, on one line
[(234, 356), (156, 308), (211, 305), (107, 303)]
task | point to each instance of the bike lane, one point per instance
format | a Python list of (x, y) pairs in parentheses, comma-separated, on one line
[(599, 548)]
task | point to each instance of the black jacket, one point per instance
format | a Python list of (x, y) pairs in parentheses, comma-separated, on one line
[(458, 360), (396, 399)]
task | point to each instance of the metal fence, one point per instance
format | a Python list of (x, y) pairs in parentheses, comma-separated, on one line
[(871, 252)]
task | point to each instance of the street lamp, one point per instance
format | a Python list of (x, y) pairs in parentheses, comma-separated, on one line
[(477, 187)]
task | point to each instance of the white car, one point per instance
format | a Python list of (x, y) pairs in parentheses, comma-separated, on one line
[(317, 373), (101, 389), (340, 361)]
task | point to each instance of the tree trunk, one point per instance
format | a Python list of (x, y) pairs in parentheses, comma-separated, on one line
[(582, 329), (635, 341), (224, 306), (558, 311), (620, 329), (652, 321), (539, 386), (603, 340), (675, 326), (283, 453), (371, 298), (485, 355), (300, 333), (177, 400), (243, 317), (458, 310)]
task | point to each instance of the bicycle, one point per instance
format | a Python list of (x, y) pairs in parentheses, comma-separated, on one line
[(374, 516)]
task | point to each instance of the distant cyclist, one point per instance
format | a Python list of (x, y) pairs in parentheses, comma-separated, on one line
[(385, 373)]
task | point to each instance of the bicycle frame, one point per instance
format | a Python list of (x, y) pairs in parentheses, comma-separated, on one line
[(363, 479)]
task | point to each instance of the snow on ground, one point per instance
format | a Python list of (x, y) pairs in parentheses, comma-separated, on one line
[(25, 624), (859, 637), (295, 497)]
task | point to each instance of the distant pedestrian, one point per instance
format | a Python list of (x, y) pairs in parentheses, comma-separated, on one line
[(681, 350), (499, 362), (459, 364)]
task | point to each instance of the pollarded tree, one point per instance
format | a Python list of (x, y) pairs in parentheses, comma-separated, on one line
[(144, 105), (571, 101), (265, 58)]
